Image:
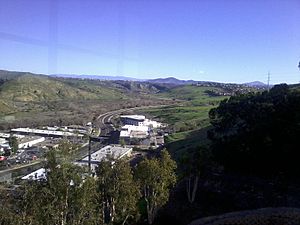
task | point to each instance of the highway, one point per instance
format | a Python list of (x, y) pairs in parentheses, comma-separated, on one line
[(107, 117)]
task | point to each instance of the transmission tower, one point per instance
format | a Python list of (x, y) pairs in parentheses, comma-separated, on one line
[(269, 77)]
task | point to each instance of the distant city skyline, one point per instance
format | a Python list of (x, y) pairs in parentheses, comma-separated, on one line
[(223, 41)]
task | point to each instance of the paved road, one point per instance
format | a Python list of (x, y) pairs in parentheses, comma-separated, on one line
[(107, 117)]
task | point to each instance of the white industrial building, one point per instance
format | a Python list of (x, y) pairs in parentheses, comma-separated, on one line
[(3, 141), (4, 135), (139, 120), (114, 152), (137, 129), (50, 133), (71, 128), (39, 174), (152, 123), (136, 120), (27, 142), (131, 131)]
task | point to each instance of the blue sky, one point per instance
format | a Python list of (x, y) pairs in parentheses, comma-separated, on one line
[(226, 41)]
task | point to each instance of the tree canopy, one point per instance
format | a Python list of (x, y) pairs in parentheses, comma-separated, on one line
[(156, 177), (258, 133)]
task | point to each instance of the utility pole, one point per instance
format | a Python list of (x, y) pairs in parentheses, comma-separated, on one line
[(299, 66), (268, 80), (89, 151), (90, 142)]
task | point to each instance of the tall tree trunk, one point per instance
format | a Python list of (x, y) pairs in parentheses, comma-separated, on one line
[(188, 188), (125, 220), (191, 189), (195, 187), (113, 210), (65, 208)]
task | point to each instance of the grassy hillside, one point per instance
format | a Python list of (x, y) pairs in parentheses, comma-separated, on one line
[(5, 108), (28, 88), (31, 100), (24, 87), (9, 75), (188, 122), (193, 93)]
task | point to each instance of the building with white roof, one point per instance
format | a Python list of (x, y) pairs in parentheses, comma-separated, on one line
[(152, 123), (139, 120), (4, 135), (50, 133), (39, 174), (113, 152), (136, 120), (28, 141), (3, 141), (131, 131)]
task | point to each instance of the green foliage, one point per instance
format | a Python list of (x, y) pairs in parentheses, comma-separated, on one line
[(66, 151), (122, 142), (156, 177), (257, 133), (195, 161), (68, 196), (192, 93), (62, 198), (13, 143), (193, 165), (118, 192)]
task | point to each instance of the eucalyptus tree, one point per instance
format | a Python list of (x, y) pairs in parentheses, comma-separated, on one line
[(156, 176), (193, 164), (64, 196), (118, 191)]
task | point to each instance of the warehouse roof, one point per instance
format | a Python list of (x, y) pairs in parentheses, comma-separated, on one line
[(134, 117)]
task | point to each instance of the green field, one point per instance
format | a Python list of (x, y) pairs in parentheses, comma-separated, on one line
[(187, 124), (182, 118), (193, 93), (188, 121)]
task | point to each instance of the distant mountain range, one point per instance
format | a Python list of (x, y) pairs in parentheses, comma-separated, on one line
[(96, 77), (168, 80), (172, 80), (256, 84)]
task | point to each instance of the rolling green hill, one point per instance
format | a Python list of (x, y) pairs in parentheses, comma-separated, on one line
[(197, 95), (28, 88), (26, 97), (30, 99), (5, 108), (6, 75)]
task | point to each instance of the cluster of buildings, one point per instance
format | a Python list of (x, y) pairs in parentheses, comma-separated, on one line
[(228, 89), (137, 129), (108, 152), (35, 140), (112, 152), (49, 132)]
